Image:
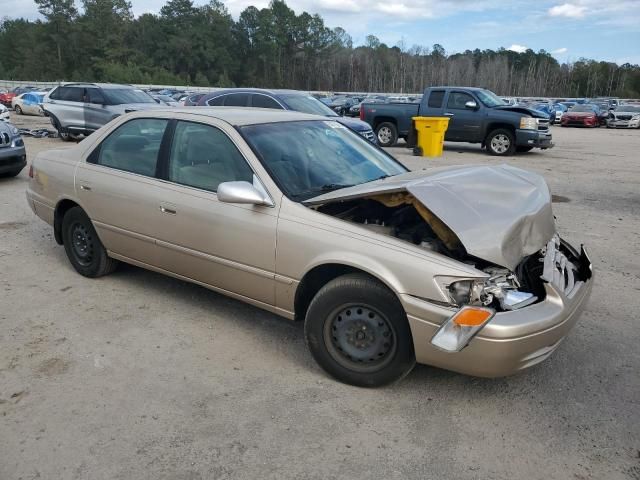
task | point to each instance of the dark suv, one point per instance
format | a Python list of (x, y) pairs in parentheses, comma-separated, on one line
[(282, 100), (82, 108)]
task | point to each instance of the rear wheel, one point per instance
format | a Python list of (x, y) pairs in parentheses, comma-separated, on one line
[(501, 142), (387, 134), (83, 247), (357, 331)]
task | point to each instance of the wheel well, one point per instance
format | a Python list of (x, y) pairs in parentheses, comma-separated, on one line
[(495, 126), (61, 209), (379, 120), (315, 279)]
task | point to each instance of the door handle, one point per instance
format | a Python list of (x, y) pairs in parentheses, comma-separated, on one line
[(85, 188), (169, 211)]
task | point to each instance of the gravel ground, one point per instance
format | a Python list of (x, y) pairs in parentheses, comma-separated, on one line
[(140, 376)]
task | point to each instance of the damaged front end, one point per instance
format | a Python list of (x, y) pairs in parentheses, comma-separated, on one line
[(497, 219)]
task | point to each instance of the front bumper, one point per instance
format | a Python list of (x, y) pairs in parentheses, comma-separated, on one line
[(623, 123), (511, 341), (12, 158), (533, 138)]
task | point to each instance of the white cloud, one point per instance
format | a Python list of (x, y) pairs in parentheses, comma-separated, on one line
[(559, 51), (569, 10), (518, 48)]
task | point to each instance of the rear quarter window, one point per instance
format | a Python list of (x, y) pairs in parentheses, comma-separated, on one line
[(435, 99)]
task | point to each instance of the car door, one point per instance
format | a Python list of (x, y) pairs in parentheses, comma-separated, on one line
[(66, 103), (118, 188), (464, 122), (96, 113), (228, 246)]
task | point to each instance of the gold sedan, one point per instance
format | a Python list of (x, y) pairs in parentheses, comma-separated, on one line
[(460, 268)]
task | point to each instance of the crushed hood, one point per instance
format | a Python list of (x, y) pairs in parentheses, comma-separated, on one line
[(524, 110), (499, 213)]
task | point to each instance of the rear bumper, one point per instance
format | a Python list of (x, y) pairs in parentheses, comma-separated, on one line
[(12, 158), (533, 138), (511, 341)]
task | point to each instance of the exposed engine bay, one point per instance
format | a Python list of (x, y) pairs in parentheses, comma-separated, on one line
[(401, 216)]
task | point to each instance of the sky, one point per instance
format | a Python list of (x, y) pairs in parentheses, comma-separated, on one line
[(599, 29)]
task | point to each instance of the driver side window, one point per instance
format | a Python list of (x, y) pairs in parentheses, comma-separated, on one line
[(203, 157), (457, 100)]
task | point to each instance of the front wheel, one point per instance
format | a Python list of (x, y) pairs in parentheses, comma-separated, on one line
[(501, 142), (387, 134), (357, 331), (18, 110), (83, 247)]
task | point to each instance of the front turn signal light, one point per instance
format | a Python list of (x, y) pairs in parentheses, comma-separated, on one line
[(459, 329)]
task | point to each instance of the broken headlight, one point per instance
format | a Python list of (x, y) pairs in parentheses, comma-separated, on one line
[(501, 288)]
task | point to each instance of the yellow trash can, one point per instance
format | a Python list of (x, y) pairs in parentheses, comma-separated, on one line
[(430, 132)]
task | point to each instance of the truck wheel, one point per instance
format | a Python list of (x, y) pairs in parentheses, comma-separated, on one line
[(523, 149), (501, 142), (387, 134), (357, 331), (83, 247)]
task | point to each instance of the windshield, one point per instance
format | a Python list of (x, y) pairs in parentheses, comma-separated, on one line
[(309, 158), (119, 96), (583, 108), (490, 99), (308, 104)]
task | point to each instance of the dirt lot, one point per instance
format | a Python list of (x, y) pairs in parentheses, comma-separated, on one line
[(139, 376)]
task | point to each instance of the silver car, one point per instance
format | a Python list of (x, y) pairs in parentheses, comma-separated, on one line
[(81, 108)]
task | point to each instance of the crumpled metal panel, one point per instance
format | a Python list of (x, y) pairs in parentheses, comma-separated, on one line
[(499, 213)]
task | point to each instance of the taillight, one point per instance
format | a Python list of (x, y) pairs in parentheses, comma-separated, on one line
[(362, 112), (31, 171)]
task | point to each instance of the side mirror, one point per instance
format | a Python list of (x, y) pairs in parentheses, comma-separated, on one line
[(471, 105), (242, 192)]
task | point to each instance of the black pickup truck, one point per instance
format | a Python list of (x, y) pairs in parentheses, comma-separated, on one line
[(476, 116)]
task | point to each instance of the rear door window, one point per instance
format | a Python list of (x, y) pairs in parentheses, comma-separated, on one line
[(236, 100), (95, 96), (71, 94), (133, 146), (435, 99), (216, 102), (263, 101)]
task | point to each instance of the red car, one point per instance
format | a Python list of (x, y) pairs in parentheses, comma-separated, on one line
[(5, 98), (581, 115)]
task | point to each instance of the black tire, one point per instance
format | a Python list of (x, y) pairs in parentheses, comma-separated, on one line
[(357, 331), (389, 134), (83, 247), (523, 149), (18, 110), (501, 142)]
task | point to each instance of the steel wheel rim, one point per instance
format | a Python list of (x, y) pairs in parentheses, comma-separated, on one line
[(384, 135), (360, 338), (500, 143), (82, 244)]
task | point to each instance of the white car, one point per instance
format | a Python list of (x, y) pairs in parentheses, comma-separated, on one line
[(4, 113), (29, 103)]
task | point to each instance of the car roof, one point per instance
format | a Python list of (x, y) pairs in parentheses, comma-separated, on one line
[(267, 91), (100, 85), (240, 116)]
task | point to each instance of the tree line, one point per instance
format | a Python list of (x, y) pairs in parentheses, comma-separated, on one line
[(273, 48)]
